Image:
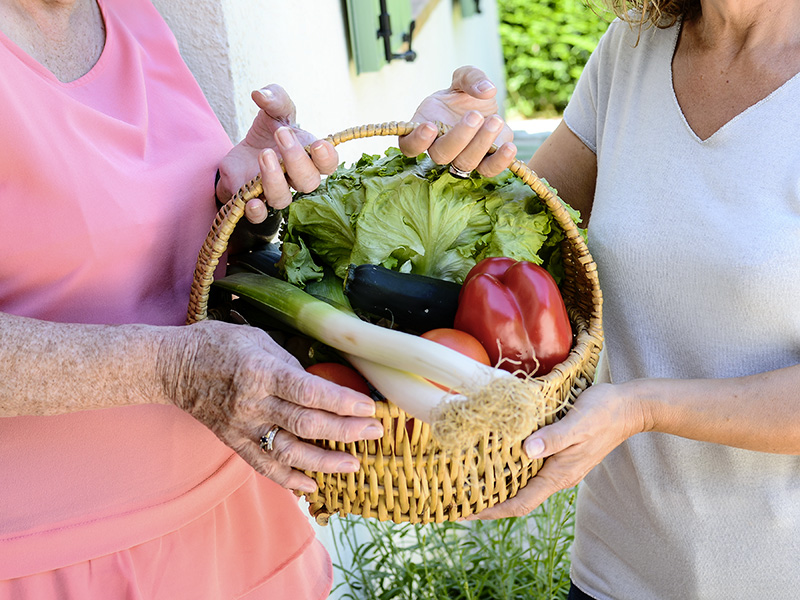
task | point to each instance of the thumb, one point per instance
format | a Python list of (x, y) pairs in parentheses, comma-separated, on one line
[(274, 101), (548, 440), (471, 80)]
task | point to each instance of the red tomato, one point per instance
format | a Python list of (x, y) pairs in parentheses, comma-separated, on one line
[(340, 374), (460, 341)]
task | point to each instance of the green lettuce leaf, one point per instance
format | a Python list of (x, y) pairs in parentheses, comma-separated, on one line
[(411, 215)]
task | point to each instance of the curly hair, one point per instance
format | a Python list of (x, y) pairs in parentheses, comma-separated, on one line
[(660, 13)]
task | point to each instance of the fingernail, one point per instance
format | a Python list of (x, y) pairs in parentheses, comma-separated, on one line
[(256, 211), (285, 137), (321, 148), (473, 119), (494, 124), (348, 466), (267, 93), (309, 488), (431, 129), (534, 448), (484, 86), (364, 409), (372, 432), (271, 160)]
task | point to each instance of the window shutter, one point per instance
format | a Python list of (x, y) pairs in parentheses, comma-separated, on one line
[(400, 15), (470, 7), (365, 45), (364, 24)]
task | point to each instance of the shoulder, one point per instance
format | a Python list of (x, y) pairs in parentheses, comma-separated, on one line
[(626, 38)]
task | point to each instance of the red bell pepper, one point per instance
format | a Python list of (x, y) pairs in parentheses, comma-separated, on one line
[(515, 309)]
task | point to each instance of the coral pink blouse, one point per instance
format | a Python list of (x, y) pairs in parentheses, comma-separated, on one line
[(107, 189)]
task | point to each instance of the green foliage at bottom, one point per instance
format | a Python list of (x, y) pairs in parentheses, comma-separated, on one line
[(506, 559)]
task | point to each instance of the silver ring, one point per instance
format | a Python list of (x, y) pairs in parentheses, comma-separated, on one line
[(456, 172), (266, 440)]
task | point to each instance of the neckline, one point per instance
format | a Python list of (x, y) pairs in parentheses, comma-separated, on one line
[(48, 74), (733, 120)]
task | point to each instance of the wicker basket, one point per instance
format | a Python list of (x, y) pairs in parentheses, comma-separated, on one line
[(405, 475)]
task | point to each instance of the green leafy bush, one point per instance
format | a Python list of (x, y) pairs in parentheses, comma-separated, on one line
[(546, 44), (507, 559)]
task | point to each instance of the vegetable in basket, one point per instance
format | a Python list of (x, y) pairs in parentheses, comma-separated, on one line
[(514, 308), (340, 374), (414, 303), (405, 368), (396, 363), (410, 215), (458, 340)]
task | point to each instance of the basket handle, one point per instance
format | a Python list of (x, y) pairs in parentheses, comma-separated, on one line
[(228, 216)]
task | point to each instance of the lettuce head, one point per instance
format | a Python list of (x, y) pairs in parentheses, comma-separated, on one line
[(411, 215)]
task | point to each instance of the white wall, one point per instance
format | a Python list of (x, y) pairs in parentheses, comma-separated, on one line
[(235, 46)]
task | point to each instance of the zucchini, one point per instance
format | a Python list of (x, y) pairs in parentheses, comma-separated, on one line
[(413, 303)]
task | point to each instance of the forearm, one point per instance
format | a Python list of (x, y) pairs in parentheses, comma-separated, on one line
[(51, 368), (759, 412)]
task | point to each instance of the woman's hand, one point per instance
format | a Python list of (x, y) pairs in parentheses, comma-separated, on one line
[(469, 106), (275, 136), (239, 383), (601, 420)]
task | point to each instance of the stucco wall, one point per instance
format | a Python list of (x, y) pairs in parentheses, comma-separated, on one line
[(235, 46)]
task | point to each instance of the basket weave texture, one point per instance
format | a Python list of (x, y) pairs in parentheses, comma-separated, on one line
[(406, 476)]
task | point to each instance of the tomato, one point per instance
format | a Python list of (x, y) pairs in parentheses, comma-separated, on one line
[(340, 374), (460, 341), (515, 309)]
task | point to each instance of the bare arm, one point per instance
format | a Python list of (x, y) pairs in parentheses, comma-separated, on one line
[(234, 379), (51, 368), (570, 167), (758, 412)]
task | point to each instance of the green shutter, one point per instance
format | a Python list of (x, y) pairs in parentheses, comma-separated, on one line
[(400, 14), (363, 22), (365, 45), (469, 7)]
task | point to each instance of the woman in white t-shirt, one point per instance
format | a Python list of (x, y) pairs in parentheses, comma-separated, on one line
[(681, 142)]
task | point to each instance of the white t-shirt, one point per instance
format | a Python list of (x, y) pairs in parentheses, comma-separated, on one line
[(697, 244)]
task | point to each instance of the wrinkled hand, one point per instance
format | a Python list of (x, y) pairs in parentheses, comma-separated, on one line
[(601, 420), (238, 382), (275, 136), (469, 106)]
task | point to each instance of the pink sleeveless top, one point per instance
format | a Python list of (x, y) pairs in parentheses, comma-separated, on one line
[(107, 186)]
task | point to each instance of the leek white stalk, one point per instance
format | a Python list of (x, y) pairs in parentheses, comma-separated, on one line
[(349, 334), (410, 392)]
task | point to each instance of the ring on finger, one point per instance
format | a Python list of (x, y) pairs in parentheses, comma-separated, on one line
[(266, 441), (456, 172)]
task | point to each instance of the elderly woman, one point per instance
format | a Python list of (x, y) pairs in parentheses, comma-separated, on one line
[(106, 170), (680, 149), (138, 458)]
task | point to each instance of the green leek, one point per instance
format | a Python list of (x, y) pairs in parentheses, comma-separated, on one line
[(347, 333)]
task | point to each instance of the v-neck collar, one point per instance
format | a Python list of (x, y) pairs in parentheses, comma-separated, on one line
[(47, 74), (731, 122)]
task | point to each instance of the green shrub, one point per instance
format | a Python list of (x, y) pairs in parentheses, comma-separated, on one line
[(507, 559), (546, 44)]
